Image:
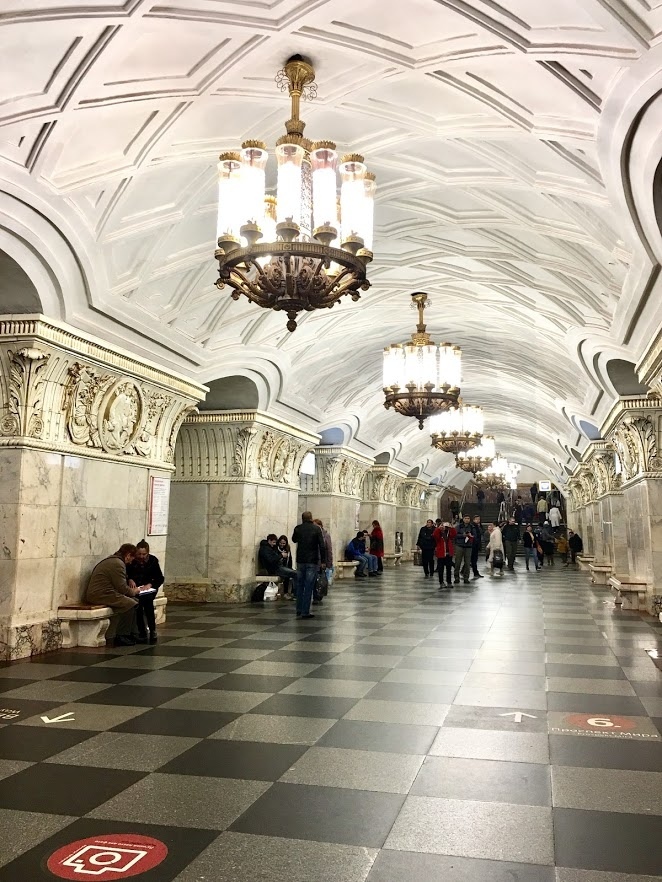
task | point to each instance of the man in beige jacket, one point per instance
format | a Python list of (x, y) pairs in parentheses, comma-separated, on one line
[(108, 587)]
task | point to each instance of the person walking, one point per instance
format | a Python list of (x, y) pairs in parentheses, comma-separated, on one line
[(480, 496), (547, 540), (463, 545), (478, 532), (575, 546), (518, 511), (555, 516), (541, 508), (495, 550), (426, 544), (534, 493), (444, 536), (510, 536), (377, 545), (310, 558), (530, 552)]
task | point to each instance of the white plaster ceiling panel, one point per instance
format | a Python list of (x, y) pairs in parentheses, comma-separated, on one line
[(479, 118)]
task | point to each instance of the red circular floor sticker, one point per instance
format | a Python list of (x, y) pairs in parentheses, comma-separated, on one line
[(597, 722), (114, 856)]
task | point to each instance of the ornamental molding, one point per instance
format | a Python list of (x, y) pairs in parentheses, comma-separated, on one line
[(382, 484), (649, 369), (52, 398), (339, 471), (410, 493), (239, 447)]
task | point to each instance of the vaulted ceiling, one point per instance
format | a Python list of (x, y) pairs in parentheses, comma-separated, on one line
[(483, 122)]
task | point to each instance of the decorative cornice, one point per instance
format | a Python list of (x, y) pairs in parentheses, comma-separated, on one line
[(62, 336), (339, 471), (53, 398), (240, 447), (649, 369), (382, 483)]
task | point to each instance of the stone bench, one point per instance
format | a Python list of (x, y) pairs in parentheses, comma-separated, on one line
[(630, 594), (600, 573), (345, 566), (585, 561), (85, 624), (394, 559)]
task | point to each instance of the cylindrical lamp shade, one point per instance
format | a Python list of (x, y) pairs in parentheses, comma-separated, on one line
[(368, 224), (253, 181), (394, 367), (450, 366), (229, 196), (269, 221), (325, 213), (420, 368), (352, 198), (290, 157)]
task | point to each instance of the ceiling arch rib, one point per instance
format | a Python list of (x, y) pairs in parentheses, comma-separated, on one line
[(494, 195)]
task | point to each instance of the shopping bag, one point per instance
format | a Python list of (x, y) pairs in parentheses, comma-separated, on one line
[(271, 591), (418, 558), (322, 586)]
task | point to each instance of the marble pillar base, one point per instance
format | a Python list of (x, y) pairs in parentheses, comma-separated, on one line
[(24, 640), (209, 592)]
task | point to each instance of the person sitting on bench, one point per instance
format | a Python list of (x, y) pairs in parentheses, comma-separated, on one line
[(144, 573), (108, 586), (271, 561)]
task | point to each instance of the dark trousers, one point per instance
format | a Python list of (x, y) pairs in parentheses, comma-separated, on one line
[(511, 552), (380, 564), (462, 563), (122, 623), (475, 551), (306, 576), (145, 613), (445, 563), (427, 556)]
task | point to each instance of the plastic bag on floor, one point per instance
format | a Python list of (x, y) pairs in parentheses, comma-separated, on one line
[(271, 591)]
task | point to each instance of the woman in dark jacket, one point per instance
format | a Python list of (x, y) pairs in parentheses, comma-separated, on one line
[(377, 545), (444, 536), (145, 573), (283, 548)]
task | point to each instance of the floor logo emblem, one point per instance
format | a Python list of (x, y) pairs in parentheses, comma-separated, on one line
[(114, 856)]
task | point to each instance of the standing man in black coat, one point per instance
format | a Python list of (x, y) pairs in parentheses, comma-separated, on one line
[(427, 545), (464, 543), (311, 559), (477, 529), (510, 535)]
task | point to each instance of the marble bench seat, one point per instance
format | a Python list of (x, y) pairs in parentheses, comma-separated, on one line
[(585, 561), (394, 559), (345, 566), (85, 624), (630, 594), (600, 573)]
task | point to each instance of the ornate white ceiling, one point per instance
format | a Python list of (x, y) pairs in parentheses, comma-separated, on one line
[(481, 120)]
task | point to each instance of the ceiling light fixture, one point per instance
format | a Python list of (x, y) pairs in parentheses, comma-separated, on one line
[(310, 246), (421, 378), (457, 429), (477, 458)]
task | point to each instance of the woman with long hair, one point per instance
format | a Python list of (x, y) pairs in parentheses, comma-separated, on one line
[(283, 548), (377, 545)]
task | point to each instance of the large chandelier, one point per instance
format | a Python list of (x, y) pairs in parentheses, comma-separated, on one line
[(478, 458), (500, 475), (457, 429), (301, 251), (421, 378)]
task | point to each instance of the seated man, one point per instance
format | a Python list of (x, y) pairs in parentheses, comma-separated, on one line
[(108, 586), (373, 560), (270, 560), (356, 551)]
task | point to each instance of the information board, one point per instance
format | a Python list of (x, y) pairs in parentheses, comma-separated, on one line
[(159, 502)]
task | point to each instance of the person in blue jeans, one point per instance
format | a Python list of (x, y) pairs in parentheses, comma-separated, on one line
[(310, 558)]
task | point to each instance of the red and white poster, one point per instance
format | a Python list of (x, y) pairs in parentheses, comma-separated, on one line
[(114, 856)]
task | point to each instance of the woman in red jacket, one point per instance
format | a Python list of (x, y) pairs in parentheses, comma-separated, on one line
[(377, 545), (444, 536)]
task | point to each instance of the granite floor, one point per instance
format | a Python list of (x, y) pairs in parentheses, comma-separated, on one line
[(504, 730)]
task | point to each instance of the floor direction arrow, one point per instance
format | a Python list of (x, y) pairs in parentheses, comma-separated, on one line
[(63, 718), (517, 716)]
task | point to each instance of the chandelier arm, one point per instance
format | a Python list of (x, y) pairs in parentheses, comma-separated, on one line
[(254, 292)]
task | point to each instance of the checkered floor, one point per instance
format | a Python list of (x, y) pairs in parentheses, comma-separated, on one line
[(379, 741)]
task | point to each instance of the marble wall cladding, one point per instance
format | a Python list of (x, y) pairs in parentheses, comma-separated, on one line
[(618, 535), (23, 641), (214, 533), (339, 516), (639, 530)]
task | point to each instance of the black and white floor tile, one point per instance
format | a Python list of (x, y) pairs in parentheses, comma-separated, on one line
[(504, 730)]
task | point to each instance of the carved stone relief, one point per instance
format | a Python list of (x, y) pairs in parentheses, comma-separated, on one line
[(27, 375)]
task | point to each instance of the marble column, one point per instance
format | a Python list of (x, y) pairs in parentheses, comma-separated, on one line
[(236, 481), (409, 515), (333, 494), (380, 495), (85, 429)]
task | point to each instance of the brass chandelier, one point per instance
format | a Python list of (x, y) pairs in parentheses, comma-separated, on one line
[(421, 378), (457, 429), (479, 458), (499, 475), (301, 251)]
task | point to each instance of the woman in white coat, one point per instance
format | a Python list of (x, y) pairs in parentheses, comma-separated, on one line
[(495, 543), (555, 516)]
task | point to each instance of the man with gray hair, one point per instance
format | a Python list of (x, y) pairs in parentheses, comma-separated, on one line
[(311, 558)]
